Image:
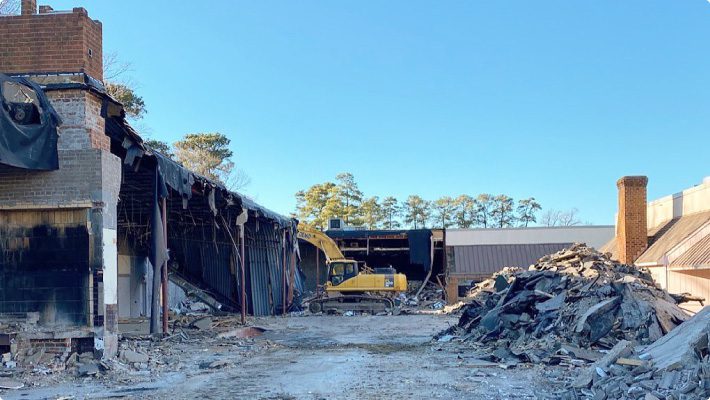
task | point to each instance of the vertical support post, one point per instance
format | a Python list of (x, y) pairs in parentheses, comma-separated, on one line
[(165, 270), (243, 299), (292, 274), (317, 269), (283, 275)]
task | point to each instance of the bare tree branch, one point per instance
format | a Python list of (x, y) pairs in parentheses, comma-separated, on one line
[(114, 67), (560, 218), (237, 180), (9, 7)]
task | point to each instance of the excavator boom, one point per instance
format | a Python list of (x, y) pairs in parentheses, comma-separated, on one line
[(347, 287), (321, 241)]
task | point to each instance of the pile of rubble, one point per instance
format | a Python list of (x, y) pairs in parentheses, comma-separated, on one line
[(141, 357), (430, 297), (577, 297), (675, 367)]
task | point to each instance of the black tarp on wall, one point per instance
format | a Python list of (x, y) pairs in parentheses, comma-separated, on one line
[(28, 126)]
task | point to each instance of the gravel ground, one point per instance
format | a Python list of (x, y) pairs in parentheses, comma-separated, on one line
[(311, 357)]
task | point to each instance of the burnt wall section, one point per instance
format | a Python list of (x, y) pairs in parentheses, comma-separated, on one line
[(44, 265), (89, 177)]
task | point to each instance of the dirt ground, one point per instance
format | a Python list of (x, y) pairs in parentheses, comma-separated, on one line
[(306, 357)]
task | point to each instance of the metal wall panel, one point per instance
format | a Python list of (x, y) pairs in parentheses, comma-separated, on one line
[(487, 259)]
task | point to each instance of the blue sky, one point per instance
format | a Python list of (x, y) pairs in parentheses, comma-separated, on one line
[(551, 99)]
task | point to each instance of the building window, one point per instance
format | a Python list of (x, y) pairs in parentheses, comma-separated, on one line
[(21, 103)]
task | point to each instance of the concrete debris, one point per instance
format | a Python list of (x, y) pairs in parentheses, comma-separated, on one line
[(7, 383), (676, 366), (141, 358), (193, 291), (88, 369), (130, 356), (430, 298), (204, 323), (576, 297), (248, 332)]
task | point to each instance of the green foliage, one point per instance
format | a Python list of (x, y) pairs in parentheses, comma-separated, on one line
[(350, 198), (318, 204), (483, 206), (132, 103), (371, 212), (391, 211), (162, 147), (345, 200), (526, 211), (464, 211), (207, 154), (502, 211), (444, 210), (416, 212)]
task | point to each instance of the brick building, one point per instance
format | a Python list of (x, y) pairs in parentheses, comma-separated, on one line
[(83, 243), (670, 236)]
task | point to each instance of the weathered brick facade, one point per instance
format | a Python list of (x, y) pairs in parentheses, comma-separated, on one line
[(51, 42), (89, 175), (631, 236)]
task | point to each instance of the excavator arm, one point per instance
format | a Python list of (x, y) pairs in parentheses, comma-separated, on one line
[(321, 241)]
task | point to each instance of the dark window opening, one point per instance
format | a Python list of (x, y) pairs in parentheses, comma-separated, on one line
[(21, 103)]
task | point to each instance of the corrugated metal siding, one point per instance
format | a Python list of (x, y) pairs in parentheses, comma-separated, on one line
[(275, 270), (258, 269), (697, 256), (216, 271), (210, 263), (674, 232), (487, 259), (265, 268)]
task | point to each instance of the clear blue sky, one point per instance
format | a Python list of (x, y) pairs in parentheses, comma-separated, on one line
[(551, 99)]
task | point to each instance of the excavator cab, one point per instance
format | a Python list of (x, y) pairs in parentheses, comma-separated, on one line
[(341, 271)]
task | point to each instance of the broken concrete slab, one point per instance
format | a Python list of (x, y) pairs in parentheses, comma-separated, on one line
[(679, 346), (204, 323), (12, 384), (131, 356), (621, 349), (88, 369)]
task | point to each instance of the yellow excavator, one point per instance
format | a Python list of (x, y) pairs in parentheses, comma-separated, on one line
[(348, 288)]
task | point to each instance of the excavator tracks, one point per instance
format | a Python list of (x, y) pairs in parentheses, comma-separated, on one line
[(359, 303)]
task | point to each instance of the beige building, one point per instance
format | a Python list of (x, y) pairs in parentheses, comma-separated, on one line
[(676, 243)]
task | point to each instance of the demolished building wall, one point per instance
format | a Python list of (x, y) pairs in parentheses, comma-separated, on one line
[(88, 177), (76, 209)]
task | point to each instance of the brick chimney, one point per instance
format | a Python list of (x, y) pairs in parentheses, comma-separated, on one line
[(28, 7), (63, 42), (632, 231)]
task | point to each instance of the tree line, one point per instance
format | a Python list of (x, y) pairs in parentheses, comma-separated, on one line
[(343, 198)]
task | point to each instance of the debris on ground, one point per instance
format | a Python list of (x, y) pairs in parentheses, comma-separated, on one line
[(576, 297), (430, 300), (430, 297), (194, 342), (674, 367)]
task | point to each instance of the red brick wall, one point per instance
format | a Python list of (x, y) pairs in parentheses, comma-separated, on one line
[(51, 42), (632, 229)]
